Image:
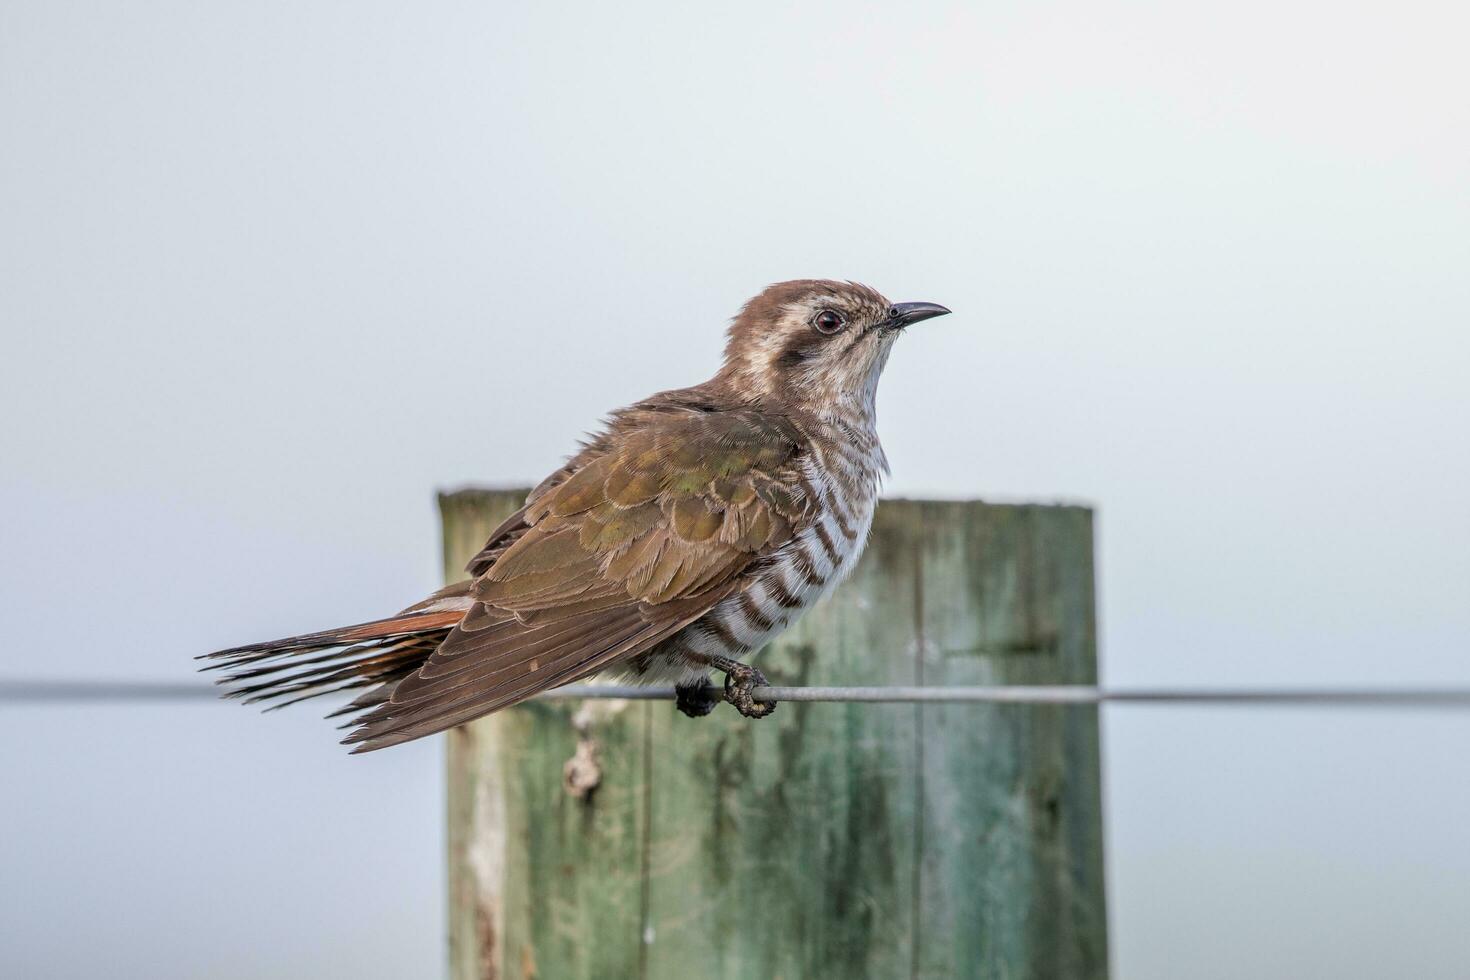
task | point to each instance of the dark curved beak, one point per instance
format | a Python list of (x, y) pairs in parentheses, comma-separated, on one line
[(904, 314)]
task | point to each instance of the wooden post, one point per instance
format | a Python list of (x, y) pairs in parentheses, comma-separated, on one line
[(829, 840)]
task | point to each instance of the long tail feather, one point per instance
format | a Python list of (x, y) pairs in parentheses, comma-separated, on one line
[(375, 655)]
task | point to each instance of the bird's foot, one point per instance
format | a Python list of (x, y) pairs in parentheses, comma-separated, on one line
[(739, 680), (694, 699)]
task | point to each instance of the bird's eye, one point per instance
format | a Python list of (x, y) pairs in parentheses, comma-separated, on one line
[(829, 321)]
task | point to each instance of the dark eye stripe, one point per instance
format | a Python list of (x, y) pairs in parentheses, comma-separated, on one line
[(794, 357)]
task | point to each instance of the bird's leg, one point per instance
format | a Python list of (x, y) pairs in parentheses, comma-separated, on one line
[(739, 680)]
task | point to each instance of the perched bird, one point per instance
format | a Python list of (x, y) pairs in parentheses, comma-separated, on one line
[(695, 527)]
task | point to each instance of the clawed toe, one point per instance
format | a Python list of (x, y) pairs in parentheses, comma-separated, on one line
[(695, 700), (739, 681)]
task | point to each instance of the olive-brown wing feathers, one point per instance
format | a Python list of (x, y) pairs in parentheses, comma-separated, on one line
[(641, 539)]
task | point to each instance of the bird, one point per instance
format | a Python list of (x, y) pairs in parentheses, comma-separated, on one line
[(680, 538)]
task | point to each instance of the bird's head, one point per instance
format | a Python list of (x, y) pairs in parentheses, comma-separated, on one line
[(816, 342)]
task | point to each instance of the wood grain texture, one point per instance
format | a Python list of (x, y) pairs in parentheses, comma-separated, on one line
[(829, 840)]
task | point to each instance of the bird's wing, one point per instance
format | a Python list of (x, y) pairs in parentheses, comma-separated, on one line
[(654, 527)]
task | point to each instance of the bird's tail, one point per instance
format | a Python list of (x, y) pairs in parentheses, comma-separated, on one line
[(375, 655)]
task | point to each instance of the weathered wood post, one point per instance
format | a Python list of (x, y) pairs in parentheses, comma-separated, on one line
[(829, 840)]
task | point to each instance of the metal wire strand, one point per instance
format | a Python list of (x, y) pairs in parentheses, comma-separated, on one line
[(39, 691)]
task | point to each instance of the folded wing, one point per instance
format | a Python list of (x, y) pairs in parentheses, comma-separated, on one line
[(654, 527)]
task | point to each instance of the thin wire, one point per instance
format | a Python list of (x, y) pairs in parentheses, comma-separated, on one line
[(1053, 694), (1447, 697), (62, 690)]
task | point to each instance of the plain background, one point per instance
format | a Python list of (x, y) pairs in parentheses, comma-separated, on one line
[(271, 273)]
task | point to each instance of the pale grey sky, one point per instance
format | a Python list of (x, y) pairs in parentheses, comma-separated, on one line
[(271, 273)]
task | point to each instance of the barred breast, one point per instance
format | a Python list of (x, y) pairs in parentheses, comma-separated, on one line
[(843, 475)]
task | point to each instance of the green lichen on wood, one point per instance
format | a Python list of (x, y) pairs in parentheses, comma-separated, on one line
[(829, 840)]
